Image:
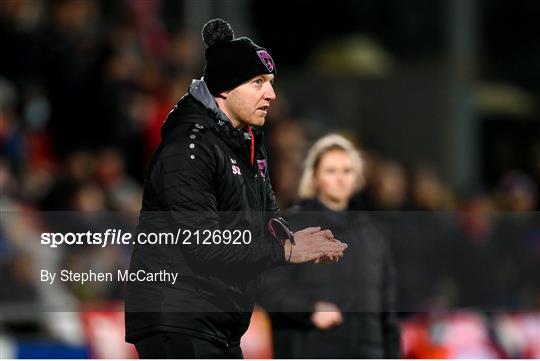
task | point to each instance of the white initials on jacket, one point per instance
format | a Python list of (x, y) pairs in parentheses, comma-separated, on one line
[(236, 170)]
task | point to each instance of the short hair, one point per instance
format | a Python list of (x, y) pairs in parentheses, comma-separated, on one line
[(307, 188)]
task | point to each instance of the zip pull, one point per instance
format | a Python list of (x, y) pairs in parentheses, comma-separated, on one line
[(252, 157)]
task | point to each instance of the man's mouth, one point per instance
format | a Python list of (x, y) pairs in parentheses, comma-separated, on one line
[(263, 108)]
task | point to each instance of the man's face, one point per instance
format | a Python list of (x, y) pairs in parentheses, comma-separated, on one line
[(248, 103)]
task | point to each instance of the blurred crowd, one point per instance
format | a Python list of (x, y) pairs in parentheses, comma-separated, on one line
[(82, 99)]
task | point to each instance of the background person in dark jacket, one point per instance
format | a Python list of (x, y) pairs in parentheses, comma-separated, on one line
[(209, 176), (342, 310)]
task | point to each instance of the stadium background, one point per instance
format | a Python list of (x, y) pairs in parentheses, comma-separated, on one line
[(441, 96)]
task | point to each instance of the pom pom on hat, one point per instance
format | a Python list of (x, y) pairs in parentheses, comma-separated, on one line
[(217, 30)]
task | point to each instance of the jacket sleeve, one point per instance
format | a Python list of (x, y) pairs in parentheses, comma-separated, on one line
[(185, 184), (283, 295), (272, 207), (391, 337)]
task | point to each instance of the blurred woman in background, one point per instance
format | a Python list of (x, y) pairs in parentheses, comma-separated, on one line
[(343, 310)]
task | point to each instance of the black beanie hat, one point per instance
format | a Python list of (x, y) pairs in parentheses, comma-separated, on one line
[(229, 61)]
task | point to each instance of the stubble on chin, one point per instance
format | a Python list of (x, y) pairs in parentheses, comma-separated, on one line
[(258, 121)]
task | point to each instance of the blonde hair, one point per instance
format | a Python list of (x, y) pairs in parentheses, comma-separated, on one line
[(308, 188)]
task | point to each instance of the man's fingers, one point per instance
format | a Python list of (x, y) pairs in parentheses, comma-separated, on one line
[(325, 252), (328, 253), (329, 247), (325, 235), (336, 256), (310, 230), (325, 258)]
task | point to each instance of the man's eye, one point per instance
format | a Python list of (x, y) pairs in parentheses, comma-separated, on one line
[(258, 81)]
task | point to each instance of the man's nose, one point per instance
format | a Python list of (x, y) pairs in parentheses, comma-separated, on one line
[(269, 93)]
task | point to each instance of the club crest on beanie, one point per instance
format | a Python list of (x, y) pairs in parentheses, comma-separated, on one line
[(231, 61)]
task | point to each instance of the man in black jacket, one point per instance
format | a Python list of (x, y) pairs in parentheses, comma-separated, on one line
[(207, 184)]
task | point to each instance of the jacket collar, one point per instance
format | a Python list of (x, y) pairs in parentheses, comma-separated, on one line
[(199, 90), (313, 207), (238, 139)]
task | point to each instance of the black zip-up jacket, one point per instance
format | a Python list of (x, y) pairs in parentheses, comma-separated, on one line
[(203, 177), (360, 284)]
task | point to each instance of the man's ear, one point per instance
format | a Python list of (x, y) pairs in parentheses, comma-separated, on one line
[(223, 95)]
